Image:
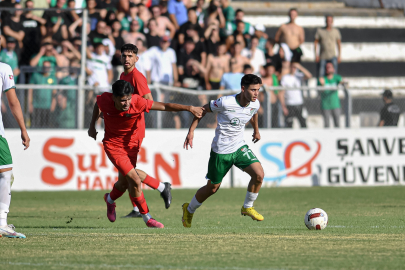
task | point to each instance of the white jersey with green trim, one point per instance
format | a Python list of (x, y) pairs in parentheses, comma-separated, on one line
[(7, 83), (232, 118)]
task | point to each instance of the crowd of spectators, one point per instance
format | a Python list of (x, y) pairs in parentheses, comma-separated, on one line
[(199, 45)]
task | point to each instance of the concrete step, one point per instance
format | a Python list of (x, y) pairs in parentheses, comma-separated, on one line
[(313, 9)]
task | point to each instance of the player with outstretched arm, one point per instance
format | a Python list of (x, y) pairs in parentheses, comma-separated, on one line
[(6, 162), (131, 74), (123, 133), (228, 147)]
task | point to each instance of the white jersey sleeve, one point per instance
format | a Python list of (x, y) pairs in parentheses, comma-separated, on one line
[(7, 78), (217, 105)]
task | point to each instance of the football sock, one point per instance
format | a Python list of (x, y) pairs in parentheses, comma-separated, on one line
[(194, 204), (114, 194), (109, 199), (146, 217), (141, 203), (161, 187), (133, 203), (152, 182), (249, 199), (5, 195)]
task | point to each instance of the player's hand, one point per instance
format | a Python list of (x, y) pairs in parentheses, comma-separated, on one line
[(338, 59), (256, 137), (197, 111), (25, 139), (92, 132), (317, 59), (189, 140)]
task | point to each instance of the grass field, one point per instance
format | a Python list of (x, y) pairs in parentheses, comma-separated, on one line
[(69, 230)]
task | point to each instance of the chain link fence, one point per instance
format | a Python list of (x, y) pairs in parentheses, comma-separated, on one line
[(358, 107)]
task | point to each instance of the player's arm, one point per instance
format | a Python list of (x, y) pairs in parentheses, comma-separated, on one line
[(193, 126), (92, 129), (15, 108), (174, 107), (254, 121), (148, 96)]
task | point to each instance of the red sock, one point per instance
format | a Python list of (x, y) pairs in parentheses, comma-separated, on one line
[(133, 203), (141, 203), (115, 193), (152, 182)]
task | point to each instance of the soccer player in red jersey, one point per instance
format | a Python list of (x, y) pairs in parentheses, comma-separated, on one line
[(124, 131), (131, 74)]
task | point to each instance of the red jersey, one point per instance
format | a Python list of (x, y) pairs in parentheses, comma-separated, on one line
[(123, 129), (140, 84)]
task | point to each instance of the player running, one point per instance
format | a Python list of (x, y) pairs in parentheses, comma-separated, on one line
[(129, 58), (123, 134), (229, 148), (6, 162)]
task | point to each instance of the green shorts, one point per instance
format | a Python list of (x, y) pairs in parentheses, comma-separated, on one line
[(5, 156), (219, 164)]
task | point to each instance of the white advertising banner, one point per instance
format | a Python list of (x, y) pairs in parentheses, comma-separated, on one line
[(70, 160)]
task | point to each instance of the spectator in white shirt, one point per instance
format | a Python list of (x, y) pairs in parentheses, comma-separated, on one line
[(255, 55), (162, 64), (292, 100)]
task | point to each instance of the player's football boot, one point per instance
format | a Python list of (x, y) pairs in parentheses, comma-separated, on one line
[(251, 212), (166, 194), (110, 209), (9, 231), (133, 214), (187, 216), (152, 223)]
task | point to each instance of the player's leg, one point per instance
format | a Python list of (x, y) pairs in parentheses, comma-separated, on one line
[(6, 180), (136, 195), (121, 160), (163, 188), (248, 162), (218, 167), (118, 190)]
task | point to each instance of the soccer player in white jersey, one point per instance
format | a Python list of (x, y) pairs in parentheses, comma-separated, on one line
[(228, 147), (6, 162)]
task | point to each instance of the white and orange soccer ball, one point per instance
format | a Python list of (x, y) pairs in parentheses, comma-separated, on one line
[(316, 219)]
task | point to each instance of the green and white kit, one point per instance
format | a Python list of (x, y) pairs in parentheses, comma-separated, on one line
[(228, 146), (7, 82)]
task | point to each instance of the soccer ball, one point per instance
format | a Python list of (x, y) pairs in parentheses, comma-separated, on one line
[(316, 219)]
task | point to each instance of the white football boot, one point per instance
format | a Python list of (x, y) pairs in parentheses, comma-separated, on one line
[(8, 231)]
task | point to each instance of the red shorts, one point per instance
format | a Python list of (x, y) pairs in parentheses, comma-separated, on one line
[(123, 158)]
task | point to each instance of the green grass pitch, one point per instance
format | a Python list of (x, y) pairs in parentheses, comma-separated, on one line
[(70, 230)]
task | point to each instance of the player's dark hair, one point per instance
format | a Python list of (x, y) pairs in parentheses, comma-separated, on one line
[(129, 48), (122, 88), (250, 79), (238, 10)]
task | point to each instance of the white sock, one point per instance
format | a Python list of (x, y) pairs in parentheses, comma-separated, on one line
[(194, 204), (161, 187), (136, 209), (250, 198), (109, 200), (5, 195), (146, 217)]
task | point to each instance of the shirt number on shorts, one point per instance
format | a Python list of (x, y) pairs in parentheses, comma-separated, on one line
[(248, 153)]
